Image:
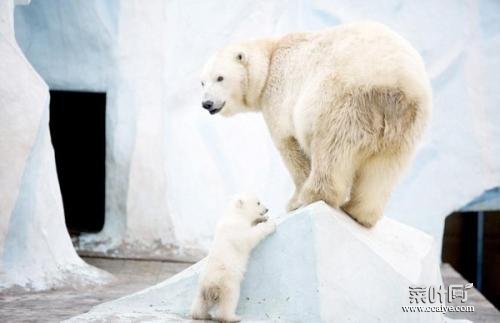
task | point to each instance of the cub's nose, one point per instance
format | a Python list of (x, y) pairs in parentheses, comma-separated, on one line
[(207, 104)]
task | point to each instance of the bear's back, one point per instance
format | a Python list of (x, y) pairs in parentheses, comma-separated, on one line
[(358, 55)]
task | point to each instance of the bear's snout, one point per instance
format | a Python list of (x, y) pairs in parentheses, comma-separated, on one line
[(207, 104), (212, 107)]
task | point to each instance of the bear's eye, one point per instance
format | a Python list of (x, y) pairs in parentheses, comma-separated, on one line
[(202, 83), (220, 79), (258, 203)]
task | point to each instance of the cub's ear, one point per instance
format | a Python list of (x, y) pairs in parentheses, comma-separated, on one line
[(241, 57), (239, 203)]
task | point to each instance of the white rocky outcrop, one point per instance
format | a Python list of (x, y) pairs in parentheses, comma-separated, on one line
[(35, 248), (319, 266)]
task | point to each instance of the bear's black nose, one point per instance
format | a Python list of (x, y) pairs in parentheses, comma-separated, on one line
[(207, 105)]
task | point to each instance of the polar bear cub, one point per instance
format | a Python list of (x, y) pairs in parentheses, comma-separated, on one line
[(239, 231)]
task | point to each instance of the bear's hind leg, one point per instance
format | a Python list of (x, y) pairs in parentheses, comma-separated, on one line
[(332, 173), (372, 187)]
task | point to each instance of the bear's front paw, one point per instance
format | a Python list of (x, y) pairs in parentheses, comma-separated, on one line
[(294, 203), (310, 193)]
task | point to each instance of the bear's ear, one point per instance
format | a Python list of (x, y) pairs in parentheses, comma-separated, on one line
[(241, 57)]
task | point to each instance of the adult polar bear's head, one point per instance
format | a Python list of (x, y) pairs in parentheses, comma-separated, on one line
[(233, 79)]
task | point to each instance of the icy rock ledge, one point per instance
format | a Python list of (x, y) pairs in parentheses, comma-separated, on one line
[(320, 266)]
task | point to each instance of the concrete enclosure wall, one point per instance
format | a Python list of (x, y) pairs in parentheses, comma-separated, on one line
[(35, 247), (170, 166)]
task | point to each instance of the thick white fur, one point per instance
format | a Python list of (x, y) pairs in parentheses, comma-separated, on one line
[(239, 231), (345, 107)]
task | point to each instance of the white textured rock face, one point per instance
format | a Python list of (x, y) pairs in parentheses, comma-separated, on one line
[(35, 248), (319, 266), (65, 61), (116, 48), (170, 165)]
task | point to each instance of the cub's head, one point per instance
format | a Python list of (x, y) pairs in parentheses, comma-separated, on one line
[(250, 208), (234, 77)]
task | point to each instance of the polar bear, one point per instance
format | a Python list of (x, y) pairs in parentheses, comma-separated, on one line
[(239, 231), (345, 107)]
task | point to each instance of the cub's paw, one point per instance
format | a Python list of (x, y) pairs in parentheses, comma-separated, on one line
[(200, 316), (228, 319), (270, 226)]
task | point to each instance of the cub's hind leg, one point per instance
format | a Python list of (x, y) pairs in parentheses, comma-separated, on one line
[(201, 307), (228, 301)]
